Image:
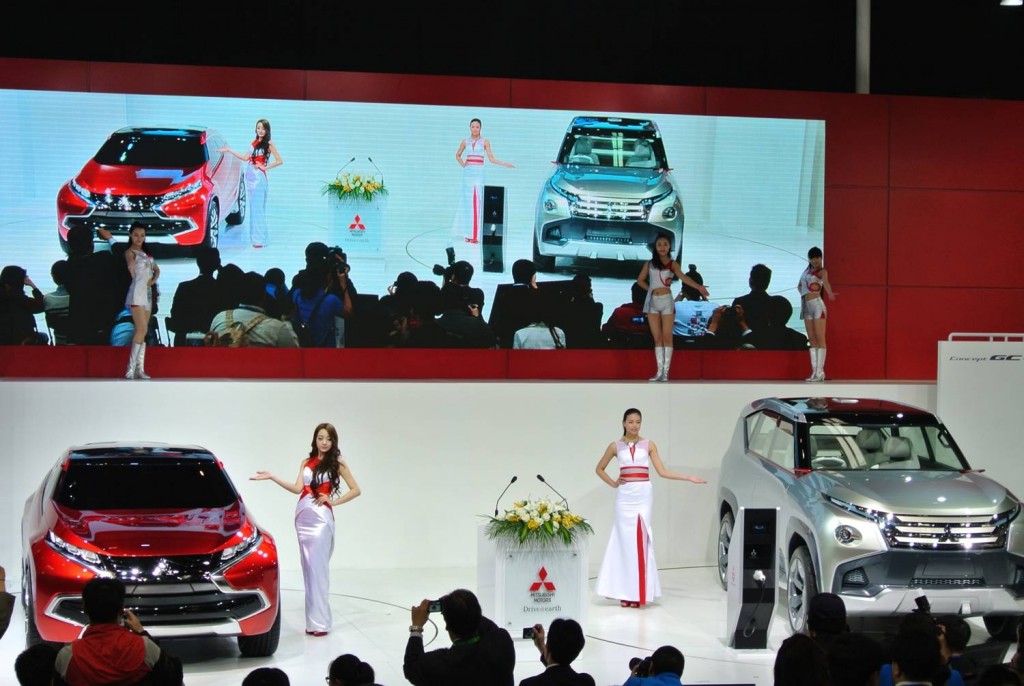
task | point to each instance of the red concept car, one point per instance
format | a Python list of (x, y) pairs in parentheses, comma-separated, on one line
[(172, 180), (167, 521)]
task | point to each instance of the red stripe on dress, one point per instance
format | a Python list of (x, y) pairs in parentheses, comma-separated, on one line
[(641, 560), (476, 215)]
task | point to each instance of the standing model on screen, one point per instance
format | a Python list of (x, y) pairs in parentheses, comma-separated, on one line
[(256, 183), (469, 216)]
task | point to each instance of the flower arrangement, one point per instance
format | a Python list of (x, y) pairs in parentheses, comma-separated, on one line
[(360, 187), (538, 521)]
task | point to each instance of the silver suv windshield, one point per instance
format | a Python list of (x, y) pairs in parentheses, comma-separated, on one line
[(841, 446), (613, 149)]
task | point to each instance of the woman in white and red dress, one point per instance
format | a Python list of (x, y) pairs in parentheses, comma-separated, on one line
[(256, 183), (469, 217), (628, 572), (319, 488), (813, 281)]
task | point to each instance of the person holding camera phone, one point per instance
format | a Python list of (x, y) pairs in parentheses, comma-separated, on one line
[(629, 572), (318, 486), (663, 668), (562, 644), (481, 651), (656, 278)]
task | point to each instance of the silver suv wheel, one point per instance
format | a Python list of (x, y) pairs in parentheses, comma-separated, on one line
[(801, 587), (724, 538)]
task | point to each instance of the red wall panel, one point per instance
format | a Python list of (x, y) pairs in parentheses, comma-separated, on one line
[(856, 127), (856, 235), (966, 238), (856, 333), (957, 144), (409, 89), (918, 318), (162, 79), (625, 97), (44, 75)]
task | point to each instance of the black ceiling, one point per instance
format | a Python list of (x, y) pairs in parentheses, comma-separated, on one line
[(959, 48)]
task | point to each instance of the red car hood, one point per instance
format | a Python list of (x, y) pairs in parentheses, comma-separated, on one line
[(151, 532), (128, 180)]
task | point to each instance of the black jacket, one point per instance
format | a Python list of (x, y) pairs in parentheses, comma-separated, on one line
[(487, 658)]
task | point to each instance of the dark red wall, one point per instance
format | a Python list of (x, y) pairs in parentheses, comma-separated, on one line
[(924, 219)]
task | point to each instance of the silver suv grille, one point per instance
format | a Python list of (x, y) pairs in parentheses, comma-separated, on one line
[(609, 209), (968, 532)]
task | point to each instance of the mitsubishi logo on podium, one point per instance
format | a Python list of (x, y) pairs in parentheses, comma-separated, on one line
[(543, 576), (357, 224)]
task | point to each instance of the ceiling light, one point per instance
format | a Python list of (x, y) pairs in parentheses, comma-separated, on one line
[(1011, 3)]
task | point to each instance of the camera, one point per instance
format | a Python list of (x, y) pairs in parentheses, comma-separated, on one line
[(922, 604), (338, 260), (528, 632), (435, 606)]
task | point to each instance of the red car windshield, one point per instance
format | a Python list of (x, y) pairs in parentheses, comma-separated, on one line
[(146, 483), (159, 149)]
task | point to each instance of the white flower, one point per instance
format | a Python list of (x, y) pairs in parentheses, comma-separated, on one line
[(547, 517)]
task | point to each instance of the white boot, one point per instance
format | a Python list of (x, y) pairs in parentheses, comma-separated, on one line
[(819, 371), (140, 370), (668, 364), (659, 355), (133, 362), (814, 366)]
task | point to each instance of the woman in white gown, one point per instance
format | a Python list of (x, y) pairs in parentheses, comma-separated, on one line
[(628, 571), (319, 488)]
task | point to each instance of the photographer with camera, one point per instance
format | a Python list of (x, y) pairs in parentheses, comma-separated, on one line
[(322, 296), (563, 644), (481, 651), (663, 668)]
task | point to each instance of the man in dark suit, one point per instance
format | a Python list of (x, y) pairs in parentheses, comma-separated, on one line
[(97, 283), (564, 642), (198, 300), (756, 303)]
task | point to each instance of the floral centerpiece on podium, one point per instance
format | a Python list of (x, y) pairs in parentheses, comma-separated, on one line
[(355, 187), (543, 522)]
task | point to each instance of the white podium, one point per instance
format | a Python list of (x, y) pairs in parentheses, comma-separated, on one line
[(357, 226), (519, 586)]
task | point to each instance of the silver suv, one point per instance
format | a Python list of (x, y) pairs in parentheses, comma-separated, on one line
[(610, 196), (877, 504)]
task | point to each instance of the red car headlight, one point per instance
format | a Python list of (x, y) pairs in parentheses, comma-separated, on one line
[(177, 193), (236, 551), (72, 550)]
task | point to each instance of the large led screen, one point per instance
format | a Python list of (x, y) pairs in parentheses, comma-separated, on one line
[(574, 191)]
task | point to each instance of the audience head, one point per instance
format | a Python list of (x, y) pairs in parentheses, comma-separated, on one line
[(957, 632), (59, 271), (80, 241), (565, 640), (405, 280), (779, 310), (426, 300), (103, 600), (760, 277), (229, 281), (525, 272), (462, 272), (582, 286), (801, 662), (208, 260), (667, 659), (34, 666), (253, 290), (915, 656), (689, 292), (13, 277), (461, 612), (274, 277), (638, 294), (854, 659), (826, 614), (316, 252), (999, 675), (266, 676), (349, 670)]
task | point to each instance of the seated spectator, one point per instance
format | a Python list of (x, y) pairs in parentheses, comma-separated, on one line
[(34, 666), (727, 330), (513, 306), (999, 675), (6, 603), (266, 676), (693, 311), (627, 326), (916, 658), (854, 659), (56, 302), (666, 669), (957, 633), (229, 285), (481, 651), (541, 333), (17, 310), (826, 618), (197, 300), (349, 670), (778, 335), (397, 299), (581, 316), (463, 323), (124, 330), (97, 282), (563, 644), (316, 307), (107, 652), (801, 662), (455, 289), (421, 328), (755, 303), (263, 330), (279, 299), (919, 624)]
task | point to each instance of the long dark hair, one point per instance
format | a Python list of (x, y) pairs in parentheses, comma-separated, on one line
[(655, 257), (626, 414), (329, 467), (262, 146), (145, 246)]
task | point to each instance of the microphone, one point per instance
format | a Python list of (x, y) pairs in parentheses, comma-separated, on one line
[(378, 170), (503, 492), (346, 164), (541, 479)]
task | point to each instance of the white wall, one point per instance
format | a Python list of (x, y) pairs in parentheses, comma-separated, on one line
[(431, 458)]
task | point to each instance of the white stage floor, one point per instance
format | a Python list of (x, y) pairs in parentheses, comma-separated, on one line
[(371, 619)]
